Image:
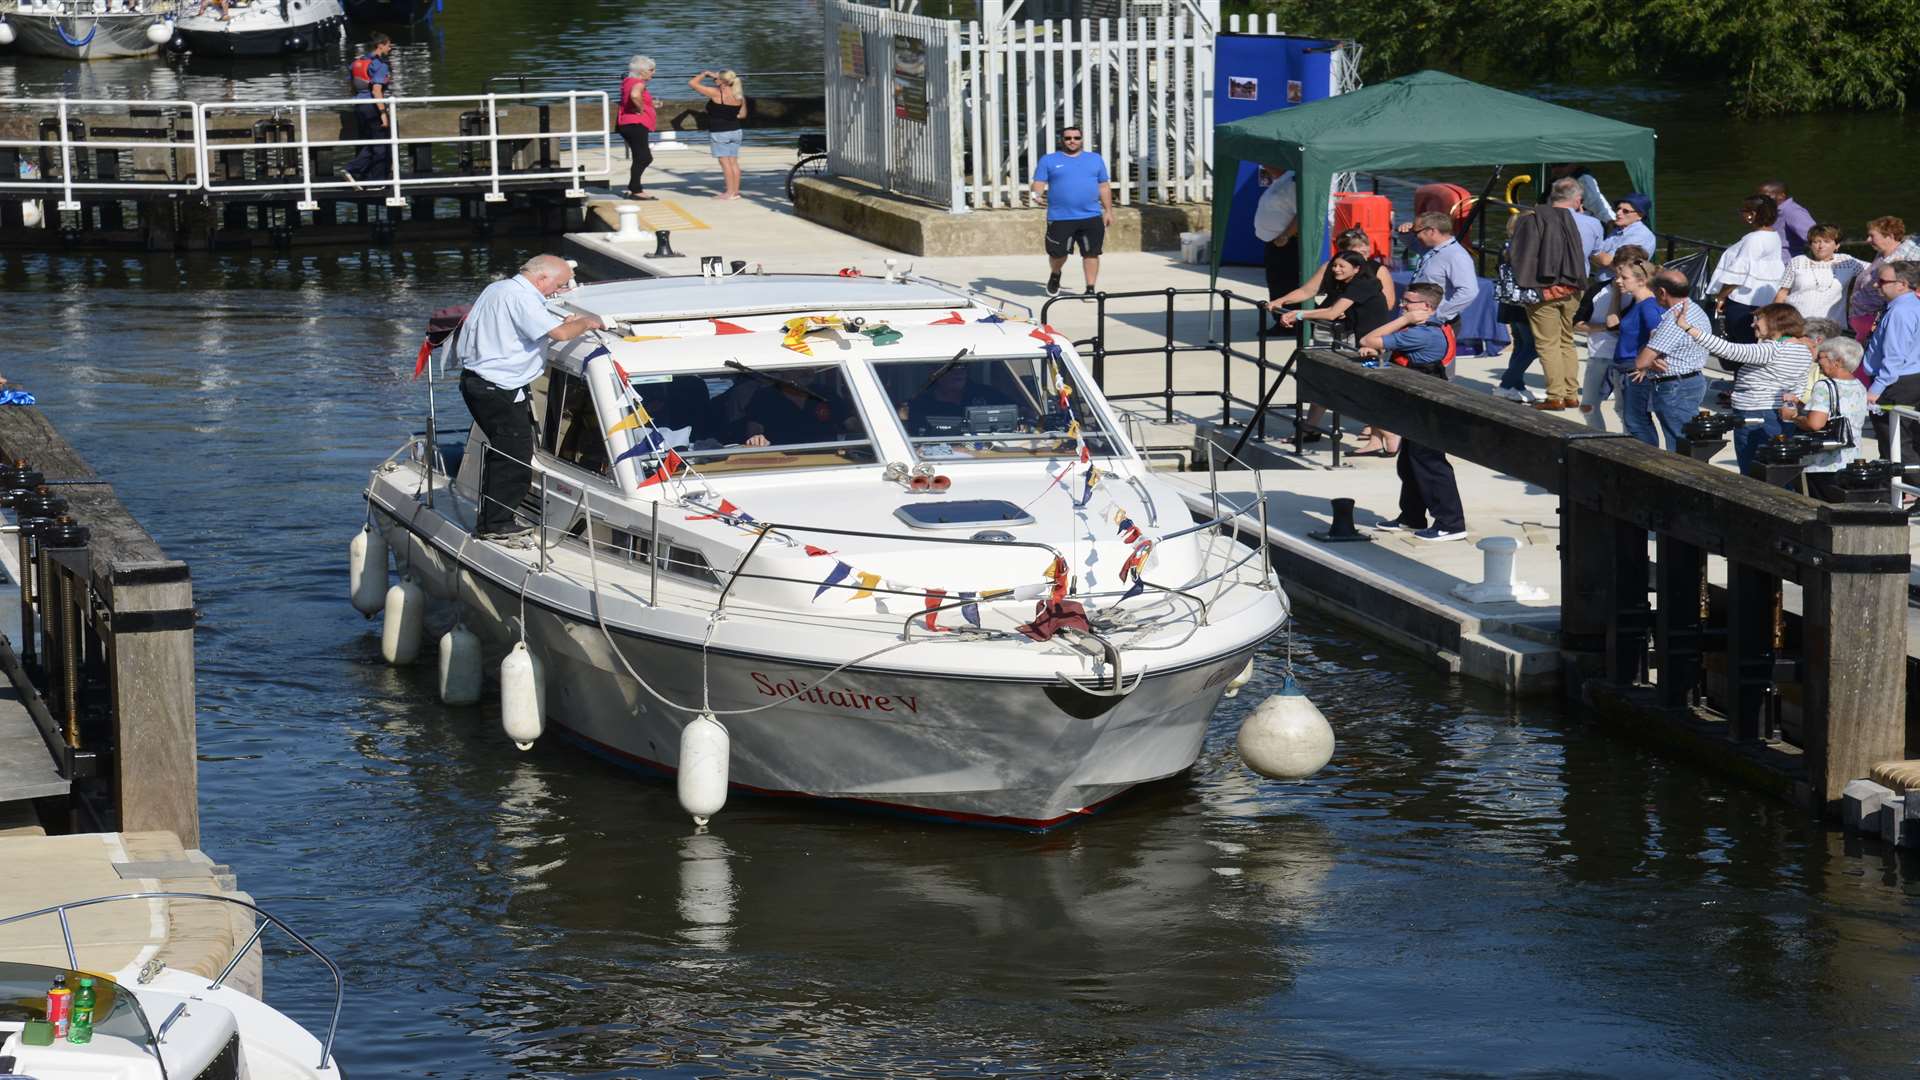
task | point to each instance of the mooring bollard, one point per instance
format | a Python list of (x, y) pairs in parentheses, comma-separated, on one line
[(629, 222), (1499, 586), (663, 245), (1341, 529)]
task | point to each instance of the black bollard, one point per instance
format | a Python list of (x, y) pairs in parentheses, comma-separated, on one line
[(1341, 530), (662, 245)]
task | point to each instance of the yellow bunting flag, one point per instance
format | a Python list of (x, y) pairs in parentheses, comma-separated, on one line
[(648, 337), (866, 582), (631, 421)]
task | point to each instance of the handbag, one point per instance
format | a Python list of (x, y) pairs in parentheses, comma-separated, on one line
[(1838, 428), (1507, 290)]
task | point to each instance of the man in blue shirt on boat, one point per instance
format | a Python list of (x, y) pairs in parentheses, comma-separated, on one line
[(502, 347), (371, 77), (1075, 186)]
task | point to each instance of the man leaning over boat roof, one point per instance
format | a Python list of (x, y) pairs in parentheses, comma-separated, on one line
[(502, 349)]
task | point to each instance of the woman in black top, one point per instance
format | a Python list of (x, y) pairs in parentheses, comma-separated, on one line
[(726, 108), (1355, 302)]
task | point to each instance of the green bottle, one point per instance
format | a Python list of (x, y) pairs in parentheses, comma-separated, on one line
[(81, 1029)]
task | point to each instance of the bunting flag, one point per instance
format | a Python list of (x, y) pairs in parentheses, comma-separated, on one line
[(726, 512), (992, 318), (642, 446), (816, 551), (952, 319), (866, 582), (626, 380), (1061, 578), (1093, 480), (970, 611), (721, 326), (881, 334), (996, 594), (420, 360), (670, 465), (834, 577), (1139, 586), (632, 420), (637, 338), (596, 354), (1044, 332), (934, 598), (1136, 561)]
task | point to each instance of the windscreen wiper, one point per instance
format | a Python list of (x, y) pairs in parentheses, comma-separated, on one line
[(777, 380)]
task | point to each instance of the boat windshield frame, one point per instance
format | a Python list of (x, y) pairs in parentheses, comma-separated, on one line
[(1096, 429), (740, 457)]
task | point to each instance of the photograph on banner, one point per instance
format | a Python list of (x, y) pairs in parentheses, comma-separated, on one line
[(1243, 89), (909, 78), (1295, 91)]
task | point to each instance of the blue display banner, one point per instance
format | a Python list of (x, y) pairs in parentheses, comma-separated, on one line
[(1254, 74)]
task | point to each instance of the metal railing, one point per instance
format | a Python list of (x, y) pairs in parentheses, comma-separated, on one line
[(575, 172), (80, 157), (73, 959), (73, 157)]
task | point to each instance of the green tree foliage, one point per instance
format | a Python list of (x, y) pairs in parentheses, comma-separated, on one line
[(1789, 56)]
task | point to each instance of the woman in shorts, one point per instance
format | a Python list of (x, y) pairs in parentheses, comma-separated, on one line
[(726, 110)]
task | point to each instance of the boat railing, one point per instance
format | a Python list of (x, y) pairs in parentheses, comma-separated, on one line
[(259, 928), (68, 164)]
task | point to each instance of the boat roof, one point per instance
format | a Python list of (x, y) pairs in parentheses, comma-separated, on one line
[(765, 348), (669, 298)]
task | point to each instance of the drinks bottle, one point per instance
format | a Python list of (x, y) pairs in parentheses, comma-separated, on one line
[(81, 1030), (59, 1006)]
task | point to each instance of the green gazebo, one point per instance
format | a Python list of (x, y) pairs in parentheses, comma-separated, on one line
[(1423, 120)]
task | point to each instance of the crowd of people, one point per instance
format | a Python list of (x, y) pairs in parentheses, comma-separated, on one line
[(1814, 338)]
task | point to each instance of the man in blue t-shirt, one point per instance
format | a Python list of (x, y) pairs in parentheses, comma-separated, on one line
[(1074, 184), (1419, 341)]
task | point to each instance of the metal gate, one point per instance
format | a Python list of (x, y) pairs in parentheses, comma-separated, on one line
[(893, 91)]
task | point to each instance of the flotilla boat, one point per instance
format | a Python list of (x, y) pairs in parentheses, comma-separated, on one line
[(86, 29), (259, 27), (154, 1022), (870, 540)]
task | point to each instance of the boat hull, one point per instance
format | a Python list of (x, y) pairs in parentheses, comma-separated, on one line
[(84, 37), (204, 40), (989, 751)]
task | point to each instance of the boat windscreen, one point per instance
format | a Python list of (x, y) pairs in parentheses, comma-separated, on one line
[(741, 419), (969, 406)]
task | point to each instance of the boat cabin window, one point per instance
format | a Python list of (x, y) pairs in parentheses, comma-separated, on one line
[(737, 420), (572, 428), (971, 407)]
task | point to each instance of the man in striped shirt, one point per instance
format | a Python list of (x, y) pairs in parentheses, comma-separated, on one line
[(1666, 384)]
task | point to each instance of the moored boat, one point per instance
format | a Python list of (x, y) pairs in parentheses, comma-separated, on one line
[(884, 533), (87, 29), (259, 28)]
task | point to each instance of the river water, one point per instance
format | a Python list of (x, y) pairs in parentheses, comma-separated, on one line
[(1471, 889)]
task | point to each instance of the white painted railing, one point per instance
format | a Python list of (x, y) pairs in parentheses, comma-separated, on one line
[(67, 156), (303, 115), (1141, 89), (583, 142), (892, 89)]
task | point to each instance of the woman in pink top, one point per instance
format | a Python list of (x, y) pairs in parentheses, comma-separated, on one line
[(636, 122)]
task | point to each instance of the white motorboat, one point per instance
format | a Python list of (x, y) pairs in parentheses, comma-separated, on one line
[(86, 29), (153, 1022), (890, 536), (258, 27)]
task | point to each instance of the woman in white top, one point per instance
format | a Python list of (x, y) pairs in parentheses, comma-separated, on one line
[(1749, 272), (1768, 372), (1816, 282)]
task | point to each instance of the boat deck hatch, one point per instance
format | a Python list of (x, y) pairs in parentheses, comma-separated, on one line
[(962, 514)]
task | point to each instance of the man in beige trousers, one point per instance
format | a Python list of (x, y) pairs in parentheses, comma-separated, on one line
[(1548, 254)]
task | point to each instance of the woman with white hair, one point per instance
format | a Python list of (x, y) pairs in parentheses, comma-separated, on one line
[(726, 108), (1836, 393), (636, 122)]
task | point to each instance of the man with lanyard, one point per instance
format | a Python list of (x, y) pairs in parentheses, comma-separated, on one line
[(1074, 184), (1892, 360), (1446, 264), (502, 349), (371, 77), (1666, 383), (1630, 218), (1419, 341)]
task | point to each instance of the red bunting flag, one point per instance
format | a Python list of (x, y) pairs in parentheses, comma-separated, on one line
[(1057, 573), (952, 319), (934, 597), (721, 326), (420, 361), (816, 551), (667, 468), (726, 510)]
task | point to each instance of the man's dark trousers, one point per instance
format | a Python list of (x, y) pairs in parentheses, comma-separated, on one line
[(1426, 481), (1283, 268), (505, 475), (374, 160), (1905, 391)]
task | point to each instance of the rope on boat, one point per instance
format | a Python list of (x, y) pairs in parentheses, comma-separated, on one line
[(69, 38)]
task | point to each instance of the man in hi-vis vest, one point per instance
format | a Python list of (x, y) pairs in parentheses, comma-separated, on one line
[(371, 76)]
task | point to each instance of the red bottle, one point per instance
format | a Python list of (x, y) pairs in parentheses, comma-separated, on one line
[(59, 1006)]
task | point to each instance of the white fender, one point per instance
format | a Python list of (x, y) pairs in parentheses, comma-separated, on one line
[(160, 32), (522, 704), (1246, 675), (609, 402), (459, 666), (1286, 737), (367, 570), (6, 32), (406, 610), (704, 752)]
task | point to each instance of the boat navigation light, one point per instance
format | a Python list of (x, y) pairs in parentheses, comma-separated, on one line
[(1286, 737)]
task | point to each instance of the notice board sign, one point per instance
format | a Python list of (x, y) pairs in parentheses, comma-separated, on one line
[(909, 79), (853, 53)]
